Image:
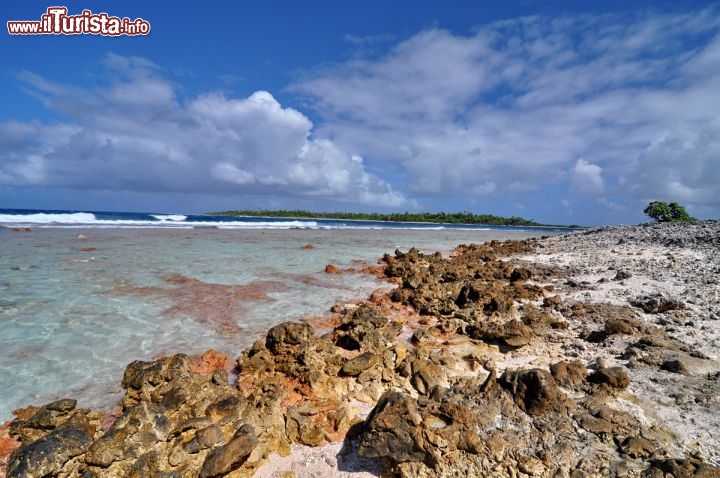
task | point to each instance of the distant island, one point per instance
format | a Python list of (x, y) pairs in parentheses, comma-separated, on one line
[(430, 217)]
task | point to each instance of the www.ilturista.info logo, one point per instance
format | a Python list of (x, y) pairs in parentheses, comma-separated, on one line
[(57, 22)]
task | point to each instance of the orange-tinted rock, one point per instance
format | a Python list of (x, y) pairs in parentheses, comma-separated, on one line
[(209, 362), (7, 445)]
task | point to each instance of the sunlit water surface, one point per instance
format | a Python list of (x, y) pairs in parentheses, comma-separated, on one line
[(74, 311)]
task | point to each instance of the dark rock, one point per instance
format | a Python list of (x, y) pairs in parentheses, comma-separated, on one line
[(422, 336), (656, 304), (520, 274), (541, 321), (231, 456), (46, 456), (38, 421), (535, 391), (622, 275), (468, 294), (391, 430), (132, 434), (682, 468), (143, 379), (147, 466), (364, 328), (63, 405), (288, 337), (498, 303), (675, 365), (139, 373)]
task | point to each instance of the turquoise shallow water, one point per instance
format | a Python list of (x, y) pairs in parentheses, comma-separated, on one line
[(77, 305)]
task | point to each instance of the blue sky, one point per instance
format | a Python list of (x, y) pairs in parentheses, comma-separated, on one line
[(559, 111)]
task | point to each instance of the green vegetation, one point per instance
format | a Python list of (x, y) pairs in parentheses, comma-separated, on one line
[(664, 212), (440, 217)]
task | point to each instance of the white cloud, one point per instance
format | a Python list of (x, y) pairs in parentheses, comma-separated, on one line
[(586, 179), (136, 135), (517, 102), (610, 205)]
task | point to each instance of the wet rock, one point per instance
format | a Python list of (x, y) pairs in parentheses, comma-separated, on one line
[(230, 456), (35, 422), (142, 380), (47, 455)]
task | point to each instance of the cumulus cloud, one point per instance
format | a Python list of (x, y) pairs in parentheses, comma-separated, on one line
[(135, 134), (587, 179), (517, 102)]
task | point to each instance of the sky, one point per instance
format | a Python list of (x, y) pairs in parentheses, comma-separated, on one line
[(564, 112)]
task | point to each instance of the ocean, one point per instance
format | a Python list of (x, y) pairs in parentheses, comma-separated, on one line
[(84, 293)]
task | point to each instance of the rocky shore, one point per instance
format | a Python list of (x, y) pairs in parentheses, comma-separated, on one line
[(581, 355)]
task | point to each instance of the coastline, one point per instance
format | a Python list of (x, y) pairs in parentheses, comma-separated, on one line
[(631, 313)]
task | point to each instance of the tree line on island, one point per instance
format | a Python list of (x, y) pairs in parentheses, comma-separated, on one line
[(429, 217), (660, 211)]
